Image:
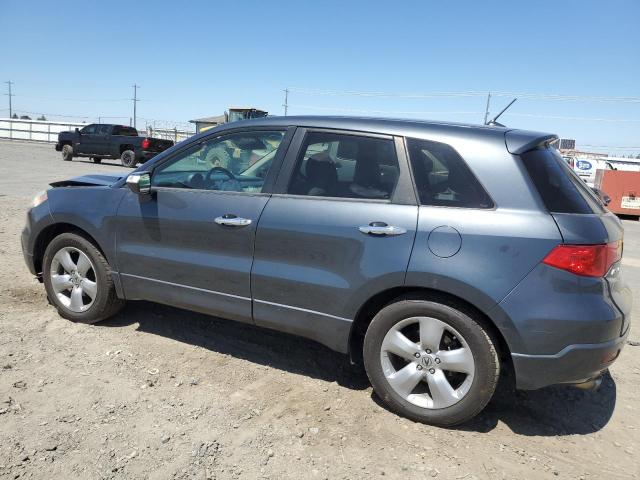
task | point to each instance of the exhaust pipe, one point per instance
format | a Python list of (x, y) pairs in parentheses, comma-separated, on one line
[(592, 384)]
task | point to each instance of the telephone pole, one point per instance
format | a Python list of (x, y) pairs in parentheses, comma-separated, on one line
[(9, 82), (286, 101), (135, 101)]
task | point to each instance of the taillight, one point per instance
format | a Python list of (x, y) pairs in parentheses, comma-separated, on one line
[(145, 143), (585, 260)]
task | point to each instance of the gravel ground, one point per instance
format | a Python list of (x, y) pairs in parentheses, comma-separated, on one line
[(162, 393)]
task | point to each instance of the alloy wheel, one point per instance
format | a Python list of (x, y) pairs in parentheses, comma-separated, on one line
[(427, 362), (73, 279)]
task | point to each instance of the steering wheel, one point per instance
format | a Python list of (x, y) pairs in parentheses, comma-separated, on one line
[(207, 179)]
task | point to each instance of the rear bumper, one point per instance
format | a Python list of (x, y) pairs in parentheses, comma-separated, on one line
[(574, 364), (147, 155), (563, 328)]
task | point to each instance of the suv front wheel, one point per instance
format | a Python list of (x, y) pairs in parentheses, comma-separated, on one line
[(67, 153), (78, 281), (430, 362)]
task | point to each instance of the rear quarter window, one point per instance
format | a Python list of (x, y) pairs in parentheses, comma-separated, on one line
[(443, 178), (561, 190)]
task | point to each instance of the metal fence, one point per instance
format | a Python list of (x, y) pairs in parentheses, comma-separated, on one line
[(34, 130), (172, 134), (47, 131)]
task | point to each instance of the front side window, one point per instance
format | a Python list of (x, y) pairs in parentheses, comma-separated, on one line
[(89, 130), (103, 129), (238, 162), (443, 178), (348, 166)]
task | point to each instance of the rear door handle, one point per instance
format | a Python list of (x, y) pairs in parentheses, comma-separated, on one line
[(231, 220), (381, 228)]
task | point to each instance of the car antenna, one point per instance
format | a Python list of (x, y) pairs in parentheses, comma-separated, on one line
[(492, 122)]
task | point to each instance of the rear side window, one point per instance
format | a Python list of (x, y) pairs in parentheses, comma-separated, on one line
[(443, 178), (562, 191), (125, 131), (349, 166)]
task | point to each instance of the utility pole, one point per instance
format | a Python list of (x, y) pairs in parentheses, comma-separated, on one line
[(135, 101), (286, 101), (10, 95), (486, 110)]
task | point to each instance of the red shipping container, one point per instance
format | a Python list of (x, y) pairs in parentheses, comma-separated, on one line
[(624, 189)]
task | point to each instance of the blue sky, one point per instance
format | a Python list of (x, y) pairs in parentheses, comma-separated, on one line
[(195, 59)]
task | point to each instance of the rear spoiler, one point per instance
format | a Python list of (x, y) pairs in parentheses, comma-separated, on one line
[(521, 141)]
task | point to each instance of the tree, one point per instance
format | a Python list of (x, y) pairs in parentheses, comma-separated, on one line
[(15, 115), (42, 118)]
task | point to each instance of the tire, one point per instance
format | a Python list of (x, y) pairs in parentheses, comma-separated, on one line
[(67, 153), (72, 294), (431, 401), (96, 159), (128, 158)]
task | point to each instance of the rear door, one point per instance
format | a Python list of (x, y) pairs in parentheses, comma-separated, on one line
[(339, 229), (190, 243), (101, 139)]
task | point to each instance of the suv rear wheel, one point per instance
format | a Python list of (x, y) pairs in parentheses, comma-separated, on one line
[(78, 280), (430, 362), (67, 153)]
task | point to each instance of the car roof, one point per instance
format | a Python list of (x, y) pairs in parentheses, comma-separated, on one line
[(398, 126)]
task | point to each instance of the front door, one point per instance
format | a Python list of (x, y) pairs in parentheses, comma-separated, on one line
[(340, 230), (87, 140), (190, 243)]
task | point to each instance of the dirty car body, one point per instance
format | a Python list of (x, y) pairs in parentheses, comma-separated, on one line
[(313, 242)]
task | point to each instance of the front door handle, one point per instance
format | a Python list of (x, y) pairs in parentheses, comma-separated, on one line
[(381, 228), (231, 220)]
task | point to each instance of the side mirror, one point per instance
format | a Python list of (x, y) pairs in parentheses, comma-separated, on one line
[(139, 183), (78, 130)]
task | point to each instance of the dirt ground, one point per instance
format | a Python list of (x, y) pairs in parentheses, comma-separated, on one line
[(162, 393)]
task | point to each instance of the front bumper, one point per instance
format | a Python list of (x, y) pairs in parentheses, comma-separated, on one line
[(28, 255), (58, 147), (38, 218), (573, 365)]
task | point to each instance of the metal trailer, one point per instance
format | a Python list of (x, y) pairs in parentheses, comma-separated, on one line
[(624, 189)]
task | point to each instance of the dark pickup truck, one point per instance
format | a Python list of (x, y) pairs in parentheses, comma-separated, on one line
[(100, 141)]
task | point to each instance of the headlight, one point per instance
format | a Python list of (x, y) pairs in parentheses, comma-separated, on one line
[(39, 199)]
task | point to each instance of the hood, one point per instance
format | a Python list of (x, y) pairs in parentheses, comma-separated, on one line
[(105, 180)]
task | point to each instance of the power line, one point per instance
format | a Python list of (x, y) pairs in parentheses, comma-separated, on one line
[(67, 99), (611, 146), (561, 117), (531, 115), (51, 114), (398, 112), (471, 93)]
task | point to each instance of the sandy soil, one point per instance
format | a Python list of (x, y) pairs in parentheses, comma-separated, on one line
[(165, 394)]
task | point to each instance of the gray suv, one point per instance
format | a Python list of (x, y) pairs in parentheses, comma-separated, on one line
[(436, 254)]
